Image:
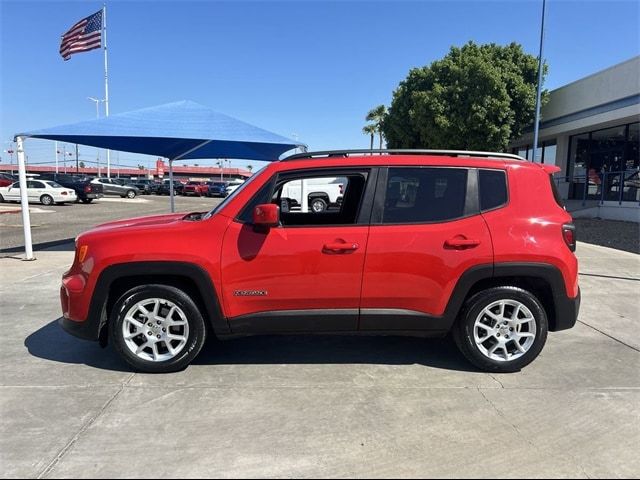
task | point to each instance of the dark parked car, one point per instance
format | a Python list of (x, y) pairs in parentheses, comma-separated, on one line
[(86, 191), (146, 186), (163, 188), (112, 187), (217, 189)]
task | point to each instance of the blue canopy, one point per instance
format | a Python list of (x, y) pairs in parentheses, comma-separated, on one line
[(180, 130)]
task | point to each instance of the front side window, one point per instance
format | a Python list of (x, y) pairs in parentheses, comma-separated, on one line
[(424, 195), (333, 198)]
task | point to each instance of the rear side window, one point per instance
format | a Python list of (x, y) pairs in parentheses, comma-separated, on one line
[(422, 195), (556, 193), (493, 189)]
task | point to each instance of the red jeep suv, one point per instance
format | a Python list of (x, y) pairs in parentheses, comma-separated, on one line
[(420, 243)]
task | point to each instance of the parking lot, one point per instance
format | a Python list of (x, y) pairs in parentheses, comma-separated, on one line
[(321, 406), (66, 221)]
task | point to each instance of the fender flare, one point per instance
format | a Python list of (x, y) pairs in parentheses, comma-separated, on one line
[(97, 317), (562, 314)]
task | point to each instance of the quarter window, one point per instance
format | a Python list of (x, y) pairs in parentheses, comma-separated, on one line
[(493, 189), (417, 195)]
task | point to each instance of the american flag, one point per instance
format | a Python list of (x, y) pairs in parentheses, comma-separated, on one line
[(83, 36)]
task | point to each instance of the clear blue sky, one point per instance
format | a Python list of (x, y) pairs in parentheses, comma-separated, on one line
[(310, 68)]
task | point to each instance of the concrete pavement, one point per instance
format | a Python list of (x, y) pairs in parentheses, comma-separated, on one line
[(321, 406)]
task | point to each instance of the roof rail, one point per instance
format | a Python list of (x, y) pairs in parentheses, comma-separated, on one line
[(452, 153)]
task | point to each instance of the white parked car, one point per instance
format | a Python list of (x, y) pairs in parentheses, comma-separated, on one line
[(233, 186), (46, 192), (320, 193)]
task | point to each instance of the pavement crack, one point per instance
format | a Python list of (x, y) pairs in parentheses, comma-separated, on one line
[(524, 437), (610, 336), (496, 380), (64, 450)]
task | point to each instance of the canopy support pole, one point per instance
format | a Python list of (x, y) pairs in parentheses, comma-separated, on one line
[(171, 191), (182, 155), (24, 201)]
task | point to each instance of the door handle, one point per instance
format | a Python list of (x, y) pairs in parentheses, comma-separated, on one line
[(461, 242), (340, 247)]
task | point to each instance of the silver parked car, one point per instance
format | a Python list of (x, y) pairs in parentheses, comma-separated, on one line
[(112, 187)]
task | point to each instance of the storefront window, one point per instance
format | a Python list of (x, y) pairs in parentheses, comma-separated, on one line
[(600, 161), (632, 157), (549, 152)]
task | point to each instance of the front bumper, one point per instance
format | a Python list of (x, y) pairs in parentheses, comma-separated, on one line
[(82, 330), (566, 312)]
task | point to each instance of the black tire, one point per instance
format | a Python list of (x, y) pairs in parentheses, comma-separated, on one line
[(463, 330), (318, 205), (46, 200), (87, 201), (1, 199), (195, 339), (131, 194)]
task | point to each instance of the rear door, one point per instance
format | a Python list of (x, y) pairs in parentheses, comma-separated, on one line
[(426, 232), (305, 275)]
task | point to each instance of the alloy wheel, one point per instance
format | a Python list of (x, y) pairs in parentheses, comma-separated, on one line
[(155, 329), (505, 330)]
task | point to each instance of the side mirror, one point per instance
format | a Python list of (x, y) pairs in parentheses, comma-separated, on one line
[(266, 215)]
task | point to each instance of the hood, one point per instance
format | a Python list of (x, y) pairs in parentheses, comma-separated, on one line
[(142, 221)]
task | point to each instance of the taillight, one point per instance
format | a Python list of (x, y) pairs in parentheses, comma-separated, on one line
[(87, 189), (569, 235), (64, 193)]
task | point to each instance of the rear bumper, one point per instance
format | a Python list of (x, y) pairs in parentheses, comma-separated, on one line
[(567, 310)]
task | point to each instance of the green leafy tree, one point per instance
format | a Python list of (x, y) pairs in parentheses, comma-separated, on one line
[(250, 167), (81, 165), (370, 130), (377, 116), (478, 97)]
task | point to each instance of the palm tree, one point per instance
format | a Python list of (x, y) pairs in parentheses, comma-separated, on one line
[(250, 168), (377, 116), (371, 130)]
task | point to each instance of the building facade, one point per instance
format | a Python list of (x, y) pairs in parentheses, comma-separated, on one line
[(591, 130)]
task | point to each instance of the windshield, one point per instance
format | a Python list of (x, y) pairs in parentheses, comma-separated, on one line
[(235, 193)]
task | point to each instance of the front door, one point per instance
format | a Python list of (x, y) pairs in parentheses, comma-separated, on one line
[(306, 274)]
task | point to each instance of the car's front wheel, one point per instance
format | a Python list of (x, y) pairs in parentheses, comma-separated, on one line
[(131, 194), (502, 329), (157, 328)]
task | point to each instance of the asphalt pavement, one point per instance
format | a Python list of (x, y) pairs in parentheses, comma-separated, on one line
[(321, 406), (60, 222)]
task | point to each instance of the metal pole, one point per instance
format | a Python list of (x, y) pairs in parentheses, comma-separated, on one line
[(536, 131), (56, 146), (24, 201), (106, 79), (77, 162), (171, 193)]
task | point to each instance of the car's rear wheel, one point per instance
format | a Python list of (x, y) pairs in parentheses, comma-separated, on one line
[(46, 200), (1, 199), (131, 194), (157, 328), (87, 200), (502, 329)]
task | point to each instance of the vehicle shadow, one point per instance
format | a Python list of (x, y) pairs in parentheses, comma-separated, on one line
[(52, 343)]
